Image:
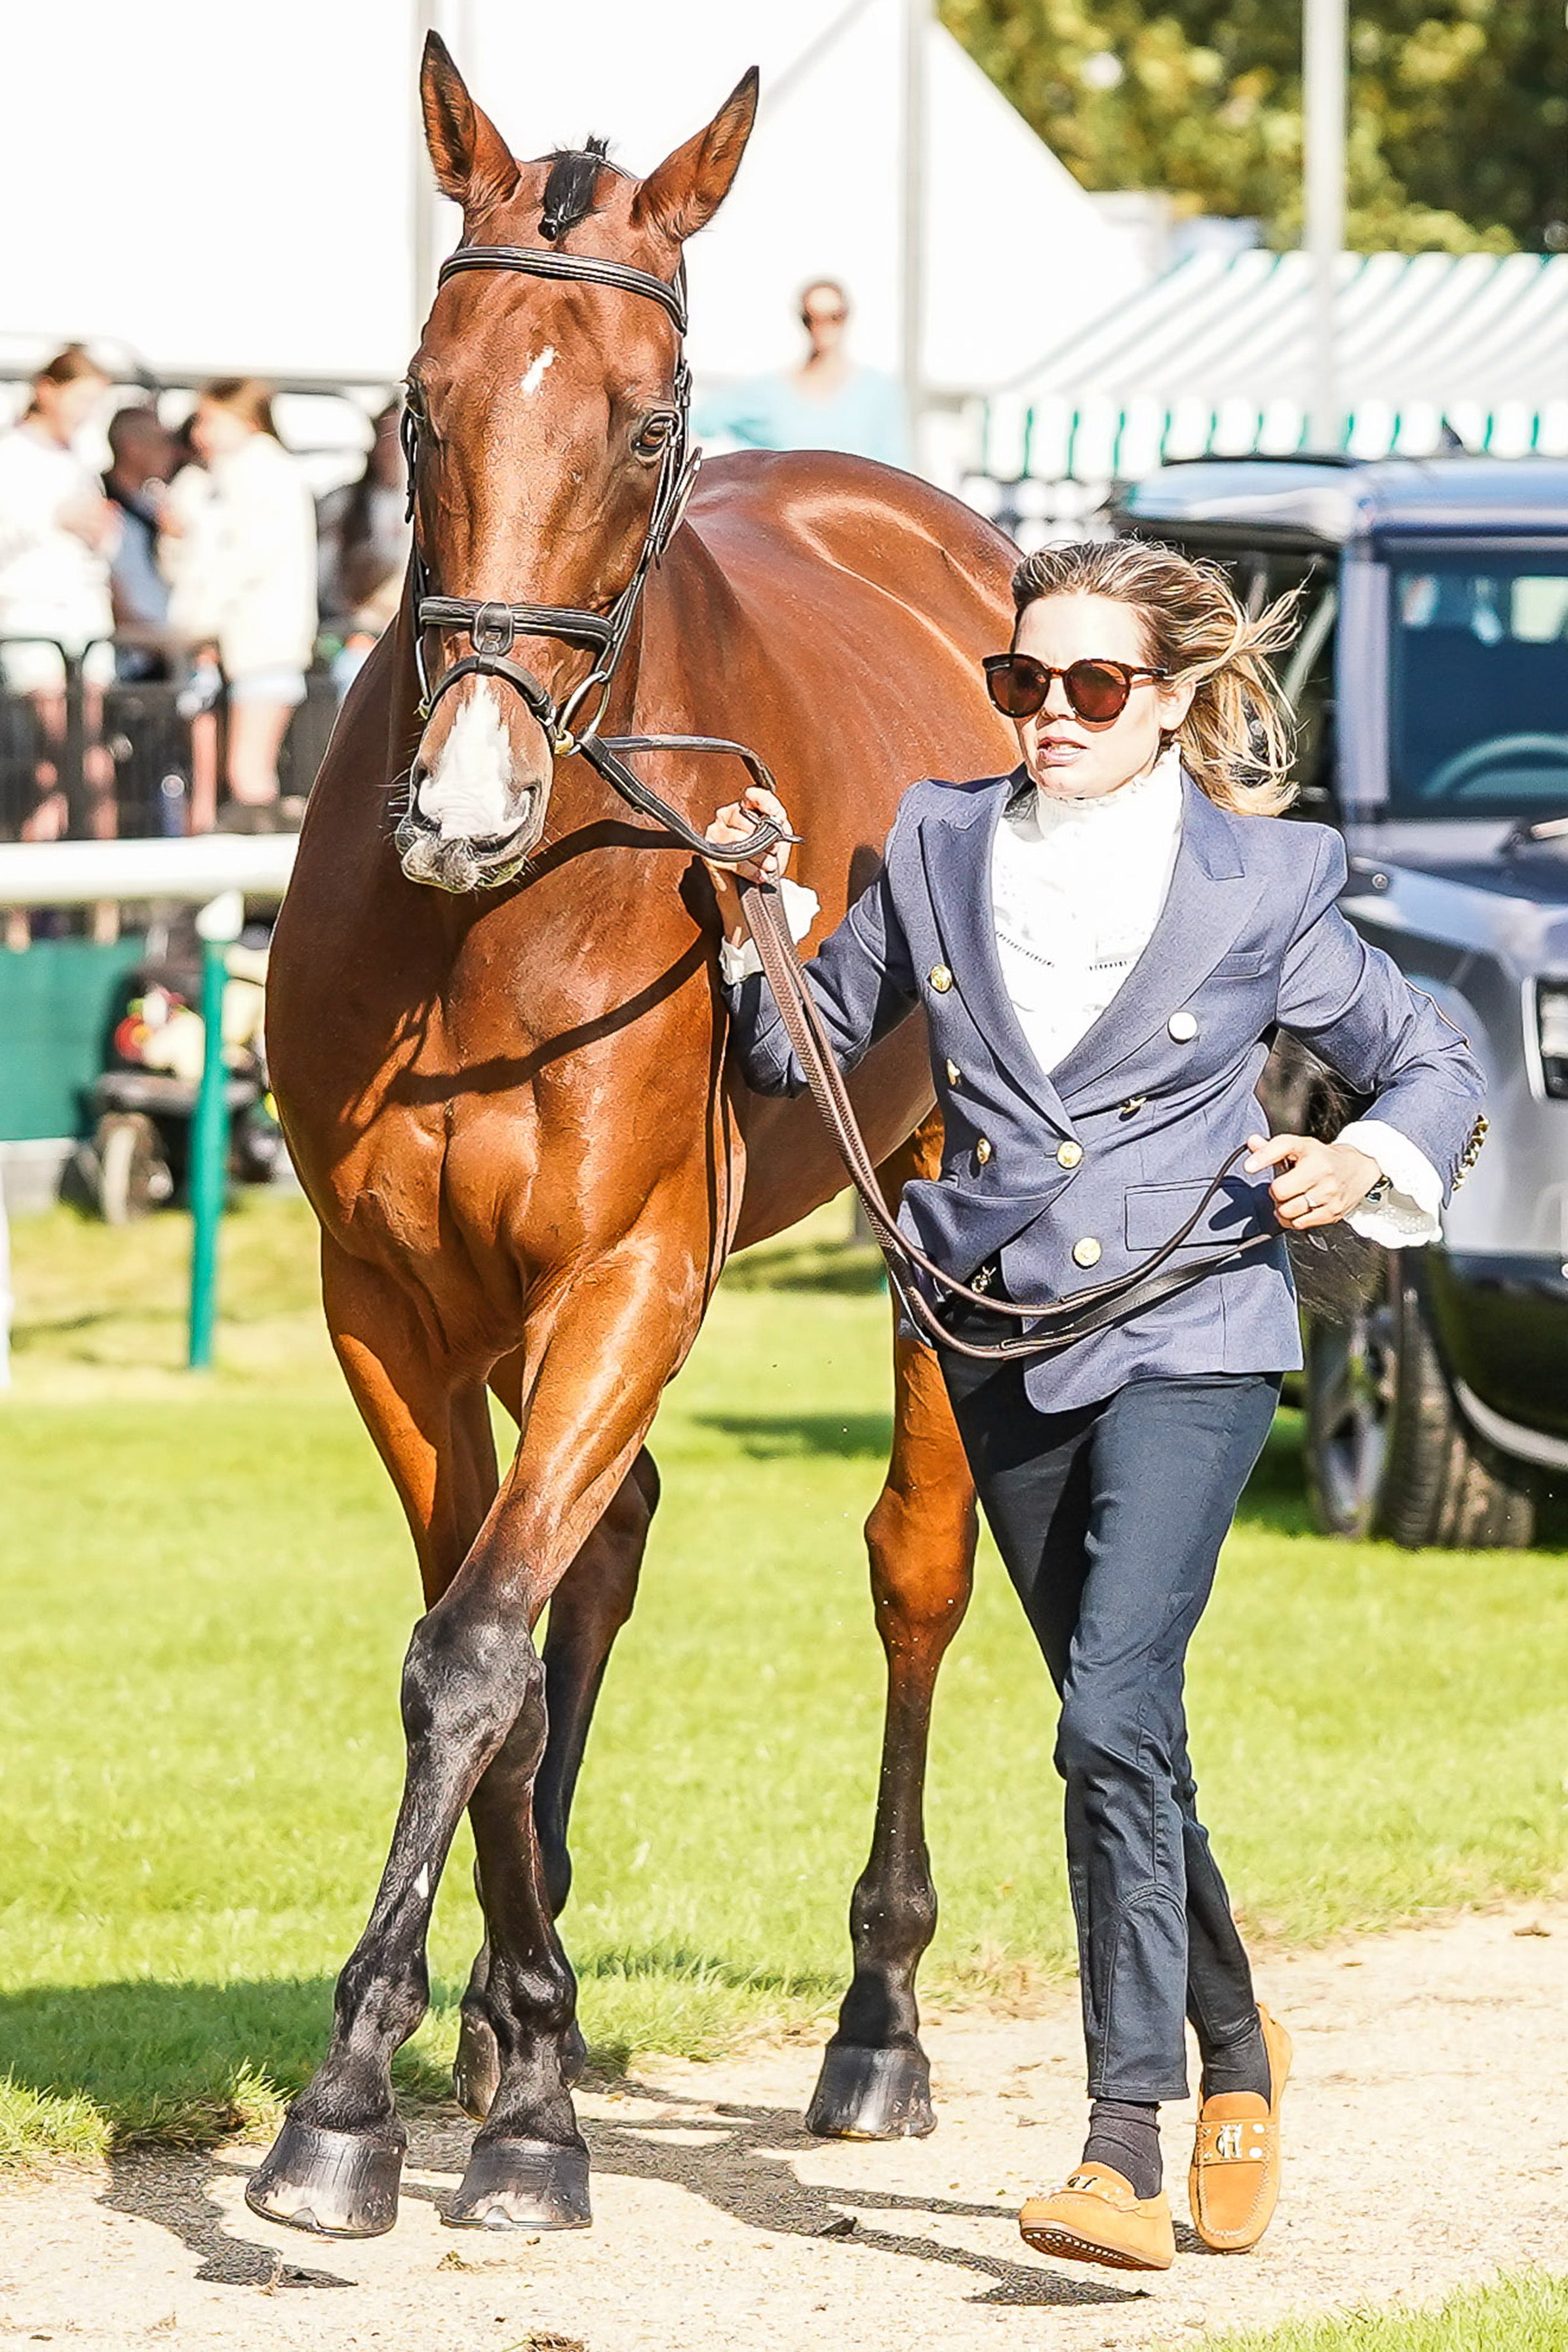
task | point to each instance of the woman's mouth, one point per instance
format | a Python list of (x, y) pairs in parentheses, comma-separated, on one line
[(1058, 751)]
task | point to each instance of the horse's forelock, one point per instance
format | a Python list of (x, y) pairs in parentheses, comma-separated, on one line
[(569, 191)]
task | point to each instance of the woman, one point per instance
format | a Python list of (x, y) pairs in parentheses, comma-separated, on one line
[(58, 533), (1103, 943), (365, 538), (827, 403), (244, 575)]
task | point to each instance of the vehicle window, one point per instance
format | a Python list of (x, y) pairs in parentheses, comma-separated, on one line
[(1478, 687), (1306, 672)]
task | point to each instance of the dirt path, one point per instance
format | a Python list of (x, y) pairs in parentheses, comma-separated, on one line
[(1427, 2143)]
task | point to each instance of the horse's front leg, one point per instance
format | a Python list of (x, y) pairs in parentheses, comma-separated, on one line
[(587, 1610), (875, 2081), (335, 2167), (474, 1710)]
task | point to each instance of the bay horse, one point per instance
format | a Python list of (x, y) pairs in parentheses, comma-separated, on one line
[(499, 1048)]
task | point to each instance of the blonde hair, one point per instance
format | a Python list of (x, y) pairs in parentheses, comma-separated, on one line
[(1239, 737), (245, 396)]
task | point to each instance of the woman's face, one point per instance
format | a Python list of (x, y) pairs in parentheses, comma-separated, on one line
[(1081, 759), (65, 408), (217, 432)]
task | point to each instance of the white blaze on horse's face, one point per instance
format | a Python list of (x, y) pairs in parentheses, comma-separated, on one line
[(469, 794)]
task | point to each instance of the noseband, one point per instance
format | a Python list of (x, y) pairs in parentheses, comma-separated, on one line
[(492, 628)]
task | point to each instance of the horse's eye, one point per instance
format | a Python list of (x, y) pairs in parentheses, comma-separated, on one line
[(413, 401), (654, 435)]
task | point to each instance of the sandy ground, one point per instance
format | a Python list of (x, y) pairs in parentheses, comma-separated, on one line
[(1427, 2140)]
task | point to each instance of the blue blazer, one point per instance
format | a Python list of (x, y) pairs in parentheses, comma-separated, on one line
[(1076, 1174)]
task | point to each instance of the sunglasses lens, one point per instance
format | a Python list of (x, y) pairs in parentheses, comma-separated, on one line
[(1018, 688), (1095, 690)]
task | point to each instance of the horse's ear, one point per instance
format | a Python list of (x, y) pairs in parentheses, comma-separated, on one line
[(688, 186), (474, 165)]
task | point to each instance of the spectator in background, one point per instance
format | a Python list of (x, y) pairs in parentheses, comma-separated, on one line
[(142, 457), (244, 575), (365, 538), (827, 403), (57, 534)]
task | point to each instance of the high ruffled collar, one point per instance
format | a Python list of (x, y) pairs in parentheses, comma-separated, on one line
[(1159, 788)]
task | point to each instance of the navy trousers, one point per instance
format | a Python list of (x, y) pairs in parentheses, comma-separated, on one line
[(1110, 1519)]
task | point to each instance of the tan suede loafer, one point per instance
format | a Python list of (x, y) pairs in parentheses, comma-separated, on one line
[(1096, 2219), (1234, 2184)]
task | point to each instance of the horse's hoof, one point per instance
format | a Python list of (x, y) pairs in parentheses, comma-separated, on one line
[(872, 2095), (338, 2184), (476, 2070), (522, 2184)]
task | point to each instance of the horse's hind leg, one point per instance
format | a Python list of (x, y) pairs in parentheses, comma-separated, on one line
[(587, 1610), (875, 2081), (335, 2165)]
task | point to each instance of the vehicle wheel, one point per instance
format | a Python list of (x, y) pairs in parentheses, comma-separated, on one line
[(133, 1177), (1387, 1451)]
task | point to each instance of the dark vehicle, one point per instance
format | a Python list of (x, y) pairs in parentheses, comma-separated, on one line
[(1430, 682)]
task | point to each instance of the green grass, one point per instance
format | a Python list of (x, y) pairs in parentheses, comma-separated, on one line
[(208, 1588), (1526, 2314)]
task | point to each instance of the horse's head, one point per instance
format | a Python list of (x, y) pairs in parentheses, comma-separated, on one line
[(544, 415)]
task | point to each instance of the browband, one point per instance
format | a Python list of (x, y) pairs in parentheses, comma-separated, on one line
[(570, 266)]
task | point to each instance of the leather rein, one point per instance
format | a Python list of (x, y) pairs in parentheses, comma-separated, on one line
[(492, 629)]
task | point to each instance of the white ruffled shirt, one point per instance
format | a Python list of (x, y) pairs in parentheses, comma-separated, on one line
[(1076, 888)]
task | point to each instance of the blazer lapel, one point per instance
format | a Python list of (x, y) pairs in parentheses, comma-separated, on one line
[(1210, 897), (955, 846)]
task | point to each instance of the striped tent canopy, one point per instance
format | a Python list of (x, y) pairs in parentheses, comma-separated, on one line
[(1214, 357)]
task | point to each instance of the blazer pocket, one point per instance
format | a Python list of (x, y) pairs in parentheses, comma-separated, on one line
[(1155, 1212), (1247, 963)]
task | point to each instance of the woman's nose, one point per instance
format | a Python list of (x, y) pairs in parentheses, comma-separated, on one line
[(1057, 703)]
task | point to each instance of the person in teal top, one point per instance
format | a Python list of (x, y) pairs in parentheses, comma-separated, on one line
[(827, 403)]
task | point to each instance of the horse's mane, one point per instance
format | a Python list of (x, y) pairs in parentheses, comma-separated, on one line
[(569, 190)]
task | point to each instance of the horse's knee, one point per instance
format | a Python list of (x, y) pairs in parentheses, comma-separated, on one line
[(469, 1682), (921, 1550)]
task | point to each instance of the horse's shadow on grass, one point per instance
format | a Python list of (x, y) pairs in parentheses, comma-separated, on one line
[(787, 1437)]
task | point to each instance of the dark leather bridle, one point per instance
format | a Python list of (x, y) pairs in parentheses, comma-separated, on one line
[(493, 628)]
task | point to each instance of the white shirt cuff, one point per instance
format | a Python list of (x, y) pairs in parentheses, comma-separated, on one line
[(1407, 1213), (738, 961)]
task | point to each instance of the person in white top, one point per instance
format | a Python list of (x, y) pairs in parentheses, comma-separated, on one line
[(1103, 944), (243, 585), (58, 533)]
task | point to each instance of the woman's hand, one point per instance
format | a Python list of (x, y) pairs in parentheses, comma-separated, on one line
[(739, 820), (1319, 1182)]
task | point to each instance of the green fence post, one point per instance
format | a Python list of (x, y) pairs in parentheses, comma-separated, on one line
[(220, 923)]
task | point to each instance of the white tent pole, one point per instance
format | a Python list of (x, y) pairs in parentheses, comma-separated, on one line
[(421, 187), (917, 18), (1323, 106)]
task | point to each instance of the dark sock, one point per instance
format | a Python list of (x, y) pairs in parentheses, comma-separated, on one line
[(1127, 2139), (1240, 2066)]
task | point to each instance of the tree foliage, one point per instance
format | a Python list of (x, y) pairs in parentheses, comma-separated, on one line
[(1459, 109)]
